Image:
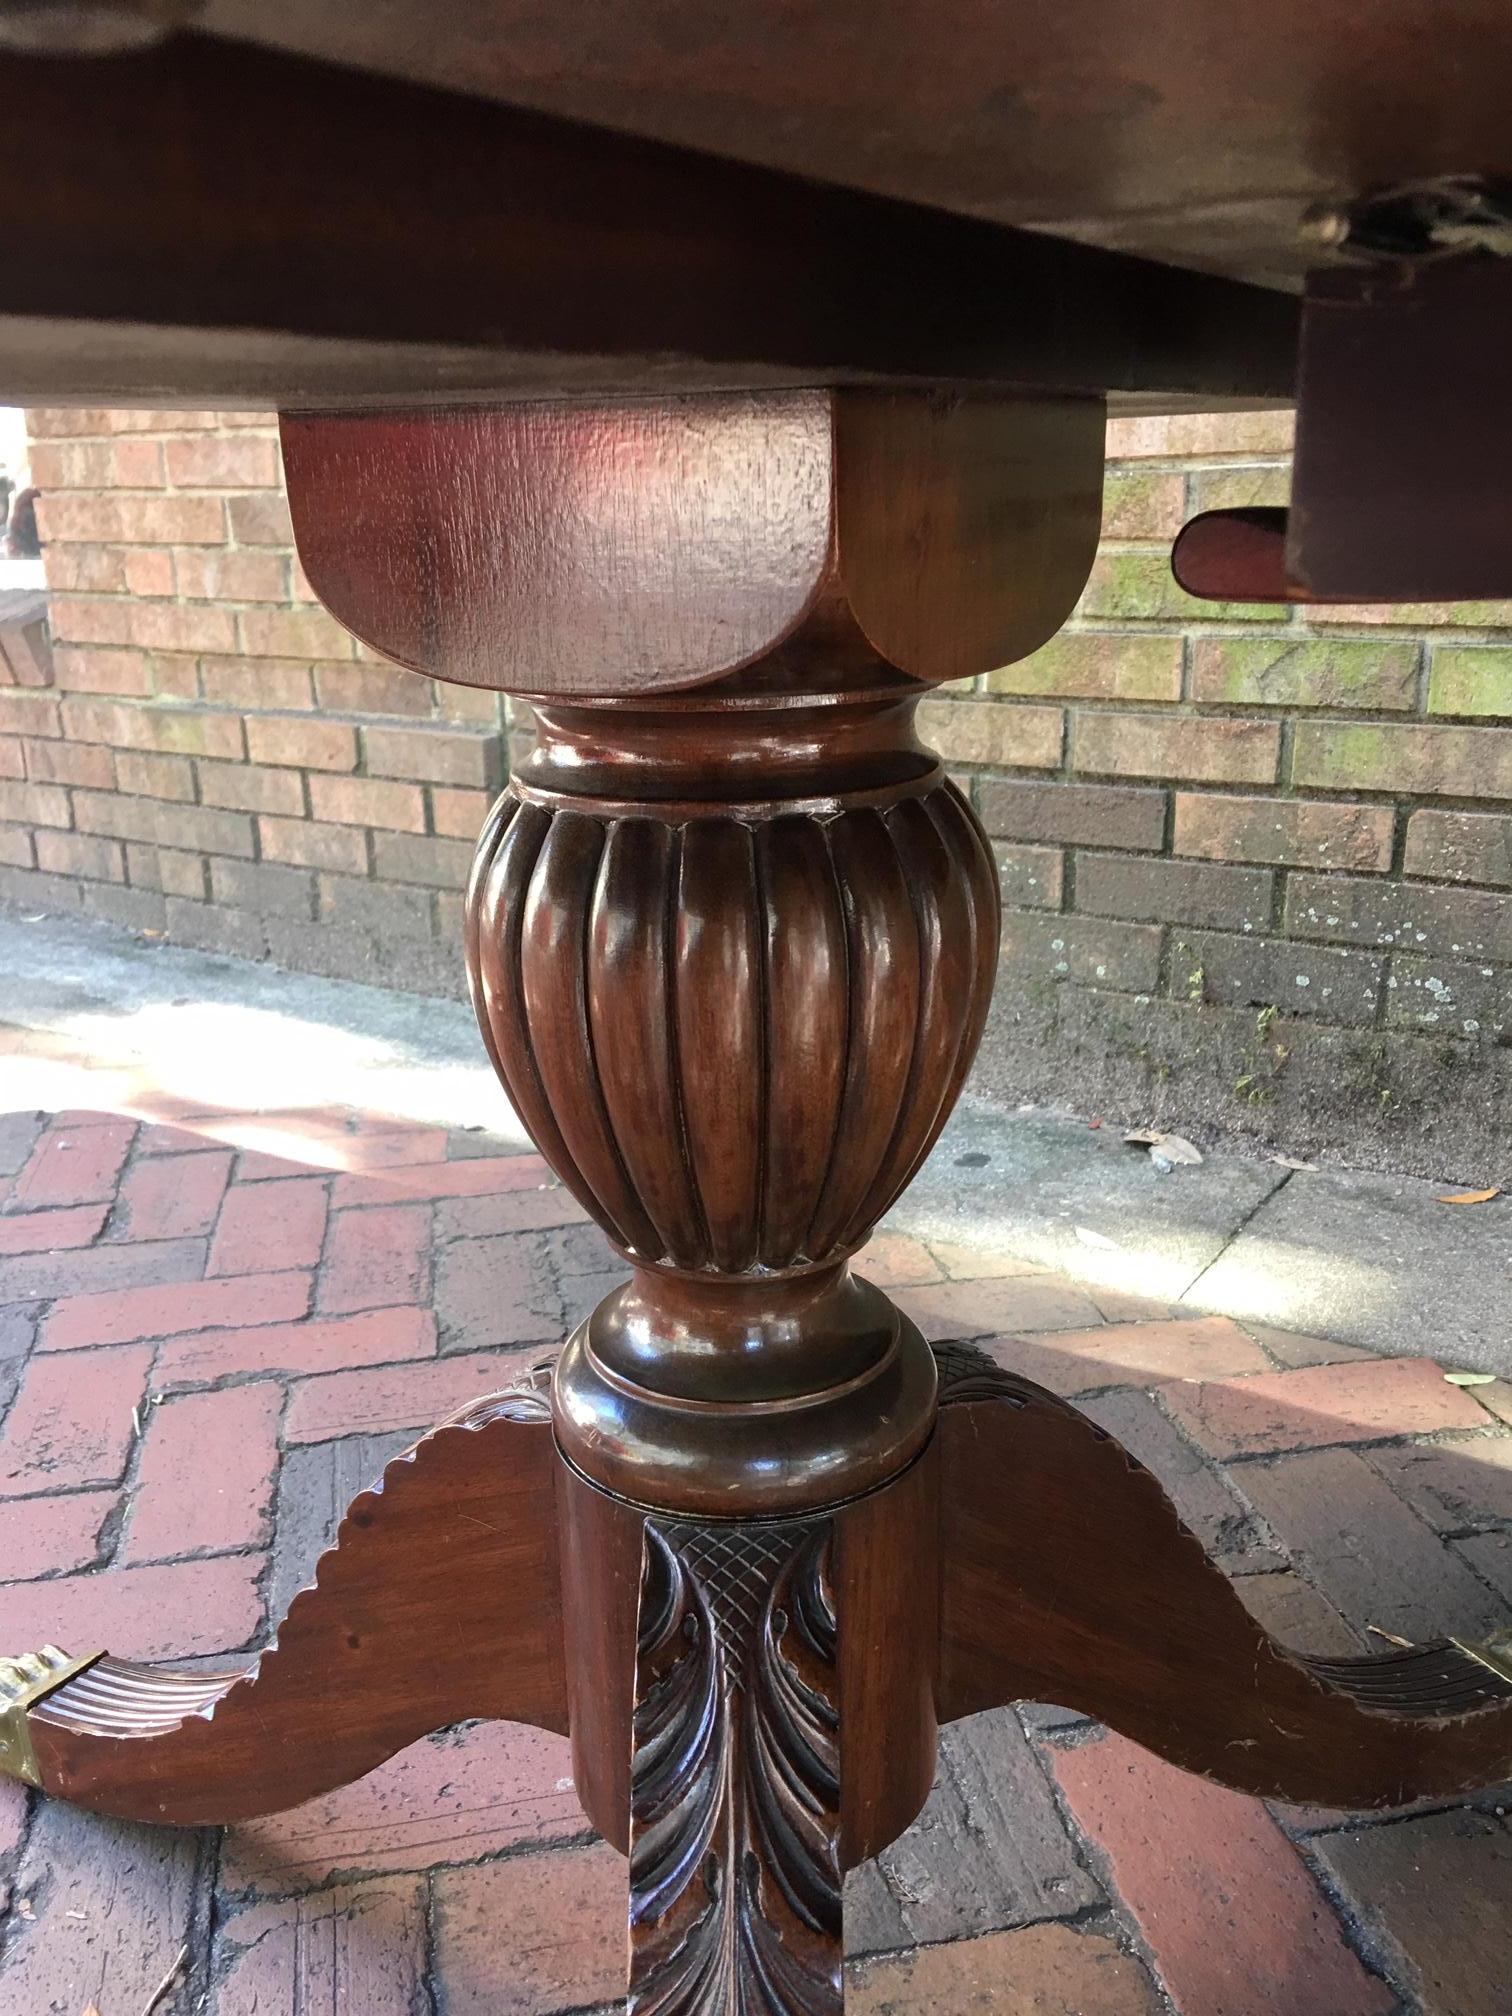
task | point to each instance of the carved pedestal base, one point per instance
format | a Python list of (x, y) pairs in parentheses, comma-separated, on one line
[(731, 936)]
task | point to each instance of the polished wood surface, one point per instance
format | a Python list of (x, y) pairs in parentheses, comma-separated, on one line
[(625, 548), (1188, 130), (1068, 1576), (210, 224), (1404, 434), (731, 933), (440, 1600), (735, 1775)]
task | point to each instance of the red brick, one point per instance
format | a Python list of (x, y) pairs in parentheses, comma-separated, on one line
[(205, 1477), (163, 1610), (1174, 892), (186, 731), (65, 1430), (376, 1258), (111, 1908), (481, 1790), (372, 689), (51, 1231), (1293, 1611), (1286, 832), (81, 855), (81, 1320), (269, 1225), (1434, 1895), (1453, 1485), (1200, 748), (154, 776), (1192, 434), (69, 763), (360, 1948), (393, 1147), (292, 633), (531, 1934), (231, 576), (1047, 1970), (172, 1197), (148, 570), (88, 570), (260, 521), (233, 682), (56, 1537), (111, 1266), (160, 1137), (300, 843), (246, 787), (1199, 1490), (1228, 1911), (181, 626), (520, 1211), (417, 1394), (120, 672), (958, 1309), (993, 731), (141, 521), (215, 463), (425, 1181), (90, 620), (1369, 1400), (376, 1337), (459, 815), (1372, 1558), (301, 743), (1456, 846), (500, 1291), (97, 465), (456, 756), (1129, 1354), (73, 1165), (368, 801)]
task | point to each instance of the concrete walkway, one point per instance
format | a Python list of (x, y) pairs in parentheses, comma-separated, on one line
[(1367, 1260)]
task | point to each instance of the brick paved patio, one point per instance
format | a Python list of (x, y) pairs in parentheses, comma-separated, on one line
[(217, 1326)]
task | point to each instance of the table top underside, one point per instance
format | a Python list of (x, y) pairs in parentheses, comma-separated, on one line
[(306, 203)]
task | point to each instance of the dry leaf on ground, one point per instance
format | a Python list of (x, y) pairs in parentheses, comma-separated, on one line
[(1469, 1196)]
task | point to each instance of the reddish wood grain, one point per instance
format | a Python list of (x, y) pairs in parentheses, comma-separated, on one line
[(1069, 1577), (440, 1601)]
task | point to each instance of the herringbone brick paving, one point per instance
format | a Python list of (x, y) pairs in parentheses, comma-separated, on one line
[(216, 1326)]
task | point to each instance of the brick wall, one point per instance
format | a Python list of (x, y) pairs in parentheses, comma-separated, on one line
[(218, 760), (1256, 863), (1257, 867)]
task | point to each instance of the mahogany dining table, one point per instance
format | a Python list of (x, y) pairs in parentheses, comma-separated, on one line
[(719, 379)]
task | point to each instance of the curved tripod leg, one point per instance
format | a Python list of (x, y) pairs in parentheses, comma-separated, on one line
[(439, 1601), (1070, 1577)]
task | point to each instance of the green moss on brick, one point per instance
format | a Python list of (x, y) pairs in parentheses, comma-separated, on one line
[(1097, 665), (1305, 672), (1140, 588), (1142, 503), (1471, 681)]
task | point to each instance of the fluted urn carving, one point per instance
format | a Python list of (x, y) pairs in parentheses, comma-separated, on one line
[(734, 1037)]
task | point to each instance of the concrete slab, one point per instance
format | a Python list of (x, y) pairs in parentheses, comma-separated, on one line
[(1057, 1192), (1376, 1261)]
